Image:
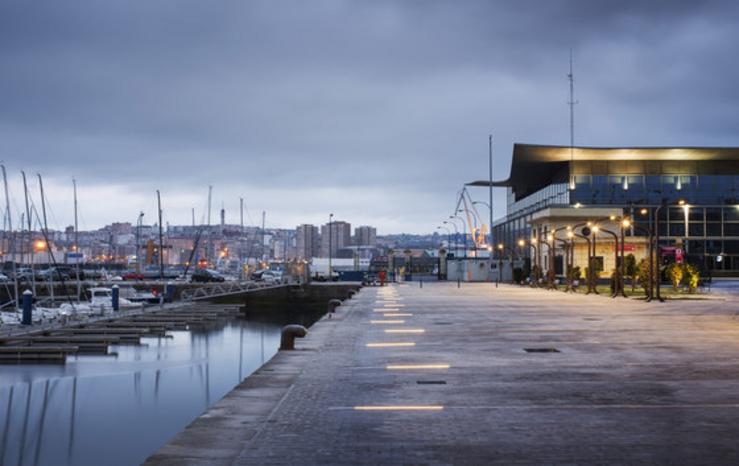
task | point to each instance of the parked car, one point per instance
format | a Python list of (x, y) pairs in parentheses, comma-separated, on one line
[(52, 274), (206, 275), (272, 277), (4, 278), (24, 274)]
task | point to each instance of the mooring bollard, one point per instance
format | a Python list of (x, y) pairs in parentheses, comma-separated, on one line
[(351, 293), (333, 304), (116, 298), (459, 283), (289, 334), (169, 292), (420, 283), (27, 303)]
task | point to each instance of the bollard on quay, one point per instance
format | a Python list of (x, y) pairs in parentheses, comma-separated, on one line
[(116, 298), (420, 283), (27, 306), (333, 304), (289, 334), (169, 292), (351, 293)]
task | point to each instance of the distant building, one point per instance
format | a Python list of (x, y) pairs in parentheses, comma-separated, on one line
[(365, 236), (341, 237), (308, 241)]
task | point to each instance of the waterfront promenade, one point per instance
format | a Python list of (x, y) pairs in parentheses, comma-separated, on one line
[(608, 381)]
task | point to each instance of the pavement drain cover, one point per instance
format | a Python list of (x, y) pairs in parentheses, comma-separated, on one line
[(541, 350), (431, 382), (592, 318), (443, 323)]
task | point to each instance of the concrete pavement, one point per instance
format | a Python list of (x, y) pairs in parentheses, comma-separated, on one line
[(608, 381)]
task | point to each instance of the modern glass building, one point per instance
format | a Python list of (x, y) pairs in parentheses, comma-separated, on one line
[(634, 182)]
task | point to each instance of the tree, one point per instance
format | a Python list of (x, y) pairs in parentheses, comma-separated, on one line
[(642, 273), (631, 269), (675, 273)]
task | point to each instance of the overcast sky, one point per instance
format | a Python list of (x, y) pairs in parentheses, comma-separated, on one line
[(377, 111)]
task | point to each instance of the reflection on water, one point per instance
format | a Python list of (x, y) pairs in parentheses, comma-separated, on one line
[(117, 410)]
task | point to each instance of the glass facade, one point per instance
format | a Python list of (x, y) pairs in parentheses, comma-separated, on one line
[(708, 229)]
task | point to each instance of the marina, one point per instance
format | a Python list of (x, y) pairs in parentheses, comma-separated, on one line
[(112, 392)]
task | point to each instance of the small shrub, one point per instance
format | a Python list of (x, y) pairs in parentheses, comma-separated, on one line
[(675, 274), (691, 277)]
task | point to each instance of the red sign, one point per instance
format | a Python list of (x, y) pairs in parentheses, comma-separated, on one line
[(627, 248), (679, 256)]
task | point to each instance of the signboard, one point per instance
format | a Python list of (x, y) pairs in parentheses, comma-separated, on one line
[(679, 255)]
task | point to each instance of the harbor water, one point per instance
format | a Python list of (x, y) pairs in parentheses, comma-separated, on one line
[(119, 409)]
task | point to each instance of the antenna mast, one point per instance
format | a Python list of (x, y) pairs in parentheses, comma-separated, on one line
[(572, 102)]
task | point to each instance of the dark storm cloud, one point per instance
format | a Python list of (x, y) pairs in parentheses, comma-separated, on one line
[(286, 100)]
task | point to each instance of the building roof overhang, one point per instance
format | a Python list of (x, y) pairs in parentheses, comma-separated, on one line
[(536, 165)]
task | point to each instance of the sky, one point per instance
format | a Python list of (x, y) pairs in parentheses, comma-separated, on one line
[(376, 111)]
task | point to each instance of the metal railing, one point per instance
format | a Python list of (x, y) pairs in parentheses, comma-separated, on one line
[(214, 290)]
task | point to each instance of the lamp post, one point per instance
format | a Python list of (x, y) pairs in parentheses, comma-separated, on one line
[(448, 235), (464, 232), (456, 235), (532, 243), (616, 286), (681, 203), (550, 253)]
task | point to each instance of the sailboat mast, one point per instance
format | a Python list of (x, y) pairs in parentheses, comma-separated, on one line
[(11, 247), (29, 217), (76, 242), (161, 237), (46, 236)]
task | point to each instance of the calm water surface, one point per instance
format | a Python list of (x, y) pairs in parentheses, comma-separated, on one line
[(117, 410)]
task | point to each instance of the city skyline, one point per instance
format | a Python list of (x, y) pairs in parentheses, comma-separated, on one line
[(262, 102)]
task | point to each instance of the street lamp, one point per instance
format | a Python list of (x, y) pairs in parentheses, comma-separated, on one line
[(456, 235), (681, 203), (464, 232), (448, 235)]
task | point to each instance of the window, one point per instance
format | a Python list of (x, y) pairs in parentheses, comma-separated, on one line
[(695, 229), (677, 229)]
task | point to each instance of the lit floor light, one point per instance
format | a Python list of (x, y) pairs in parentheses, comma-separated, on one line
[(403, 367), (388, 309), (399, 344), (394, 305), (388, 322), (405, 330), (400, 408), (397, 314)]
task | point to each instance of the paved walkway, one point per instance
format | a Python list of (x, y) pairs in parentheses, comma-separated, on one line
[(631, 383)]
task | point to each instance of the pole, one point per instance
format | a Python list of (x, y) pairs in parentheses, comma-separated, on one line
[(261, 248), (76, 242), (46, 236), (330, 246), (658, 261), (30, 233), (11, 247), (161, 235), (490, 192)]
